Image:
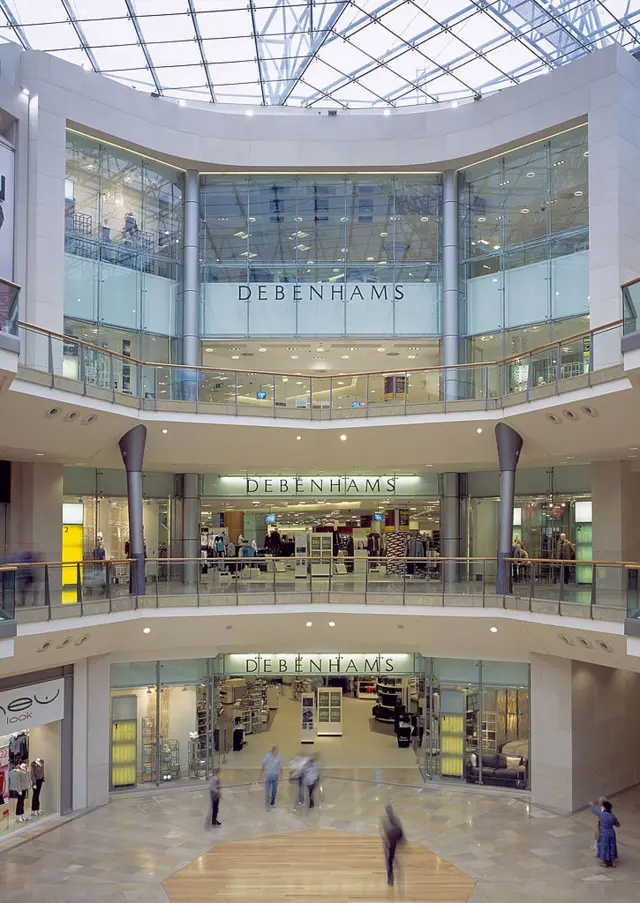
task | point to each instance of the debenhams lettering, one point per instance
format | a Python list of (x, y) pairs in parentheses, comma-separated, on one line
[(320, 291), (321, 485), (336, 664)]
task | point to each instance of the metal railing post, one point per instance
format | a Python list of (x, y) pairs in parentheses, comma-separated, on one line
[(561, 590), (273, 378), (107, 576), (50, 359), (275, 571), (442, 578), (79, 586), (558, 366), (484, 581), (47, 591), (366, 397), (112, 382), (594, 599), (366, 579), (486, 386), (310, 397), (532, 582), (330, 398), (404, 581), (236, 384)]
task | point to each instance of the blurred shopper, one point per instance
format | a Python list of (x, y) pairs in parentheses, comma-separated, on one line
[(271, 768), (392, 837), (605, 833), (215, 790), (296, 776), (311, 778)]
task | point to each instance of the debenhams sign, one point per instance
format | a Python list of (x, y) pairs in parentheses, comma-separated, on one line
[(321, 291), (317, 486), (319, 663)]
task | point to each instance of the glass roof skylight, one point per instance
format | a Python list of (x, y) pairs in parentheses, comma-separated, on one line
[(320, 53)]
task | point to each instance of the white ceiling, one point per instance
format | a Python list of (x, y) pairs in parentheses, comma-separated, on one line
[(230, 445), (191, 633)]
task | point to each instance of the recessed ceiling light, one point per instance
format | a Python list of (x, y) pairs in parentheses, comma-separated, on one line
[(235, 357), (320, 349), (411, 357), (39, 454), (482, 219), (332, 623), (493, 629), (345, 357), (382, 349), (479, 430), (343, 438), (524, 210), (208, 350), (262, 349), (531, 175), (248, 112), (298, 438), (146, 630), (309, 624), (386, 112), (578, 194), (165, 431)]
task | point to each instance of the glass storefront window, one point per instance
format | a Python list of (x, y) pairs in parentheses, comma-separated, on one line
[(336, 234), (524, 234), (123, 237)]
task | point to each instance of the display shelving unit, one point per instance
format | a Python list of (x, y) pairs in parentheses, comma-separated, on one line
[(320, 552), (148, 733), (389, 692), (366, 687), (170, 760)]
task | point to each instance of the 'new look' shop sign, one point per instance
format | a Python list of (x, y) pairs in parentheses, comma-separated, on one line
[(31, 706), (316, 486), (322, 663)]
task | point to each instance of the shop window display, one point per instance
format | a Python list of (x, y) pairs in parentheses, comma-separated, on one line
[(29, 775)]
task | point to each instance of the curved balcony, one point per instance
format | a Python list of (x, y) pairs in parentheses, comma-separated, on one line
[(63, 362), (597, 590)]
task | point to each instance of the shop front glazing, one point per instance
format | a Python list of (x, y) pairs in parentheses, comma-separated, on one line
[(451, 719)]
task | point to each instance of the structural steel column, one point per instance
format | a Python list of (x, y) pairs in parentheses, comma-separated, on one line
[(191, 356), (132, 450), (450, 283), (191, 279), (190, 526), (450, 524), (509, 447)]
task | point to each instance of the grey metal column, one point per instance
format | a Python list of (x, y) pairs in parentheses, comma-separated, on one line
[(450, 524), (191, 280), (190, 527), (191, 356), (132, 450), (509, 447), (450, 283)]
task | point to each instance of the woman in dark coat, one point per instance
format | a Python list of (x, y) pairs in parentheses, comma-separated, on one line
[(606, 835)]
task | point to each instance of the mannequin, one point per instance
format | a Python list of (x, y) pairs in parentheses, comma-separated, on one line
[(99, 553), (19, 784), (37, 780)]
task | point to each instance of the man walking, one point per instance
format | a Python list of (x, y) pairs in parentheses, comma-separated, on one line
[(215, 789), (271, 767), (392, 835)]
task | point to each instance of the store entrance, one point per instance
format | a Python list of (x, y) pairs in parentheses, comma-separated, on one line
[(347, 721)]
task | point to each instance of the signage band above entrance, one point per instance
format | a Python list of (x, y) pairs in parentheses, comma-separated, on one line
[(321, 663), (316, 486)]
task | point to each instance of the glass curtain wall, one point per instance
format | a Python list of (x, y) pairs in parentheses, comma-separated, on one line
[(524, 251), (123, 238), (315, 255)]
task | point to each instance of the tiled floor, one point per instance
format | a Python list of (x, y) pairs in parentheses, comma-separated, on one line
[(515, 853)]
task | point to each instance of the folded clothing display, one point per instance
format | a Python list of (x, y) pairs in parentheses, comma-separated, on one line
[(505, 771)]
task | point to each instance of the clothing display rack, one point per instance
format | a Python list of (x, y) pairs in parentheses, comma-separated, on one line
[(389, 698)]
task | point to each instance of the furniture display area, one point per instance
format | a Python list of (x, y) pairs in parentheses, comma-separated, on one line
[(498, 770)]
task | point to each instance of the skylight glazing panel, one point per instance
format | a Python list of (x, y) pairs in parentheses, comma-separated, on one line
[(377, 41), (86, 10), (225, 24), (344, 55), (229, 50), (383, 81), (141, 80), (110, 32), (175, 54), (51, 37), (146, 8), (167, 28), (181, 76), (511, 55), (121, 58), (234, 73), (36, 11)]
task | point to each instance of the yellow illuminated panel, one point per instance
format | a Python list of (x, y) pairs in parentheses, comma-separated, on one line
[(452, 745), (72, 552), (123, 775)]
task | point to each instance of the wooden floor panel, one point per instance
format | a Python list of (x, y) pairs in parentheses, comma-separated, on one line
[(315, 867)]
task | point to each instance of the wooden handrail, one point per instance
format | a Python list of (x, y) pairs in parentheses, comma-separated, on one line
[(9, 282), (390, 372)]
